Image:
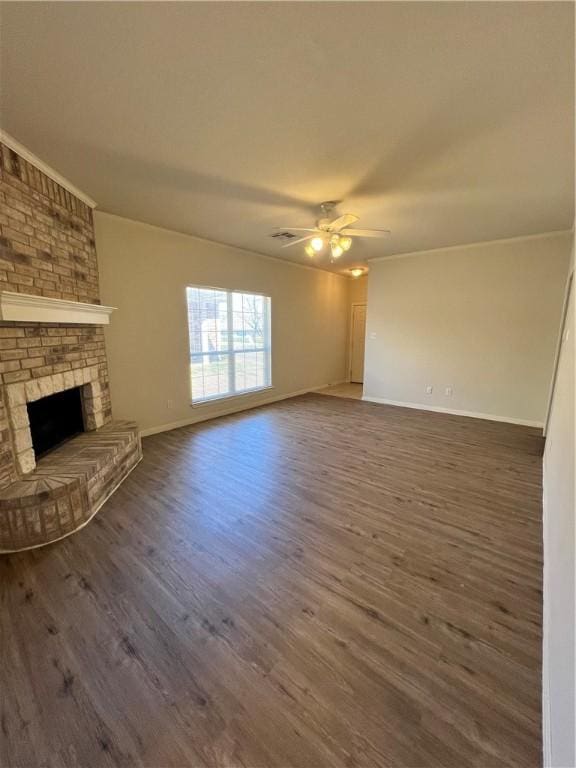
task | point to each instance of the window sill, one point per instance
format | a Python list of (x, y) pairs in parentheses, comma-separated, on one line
[(235, 396)]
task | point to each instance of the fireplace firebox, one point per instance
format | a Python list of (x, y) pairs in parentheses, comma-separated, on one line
[(55, 419)]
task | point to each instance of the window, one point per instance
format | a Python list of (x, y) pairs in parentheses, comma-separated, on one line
[(229, 336)]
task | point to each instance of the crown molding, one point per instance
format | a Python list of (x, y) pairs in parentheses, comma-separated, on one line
[(478, 244), (23, 307), (30, 157)]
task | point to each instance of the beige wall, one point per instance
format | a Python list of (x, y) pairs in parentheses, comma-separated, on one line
[(482, 319), (559, 552), (144, 271), (358, 289)]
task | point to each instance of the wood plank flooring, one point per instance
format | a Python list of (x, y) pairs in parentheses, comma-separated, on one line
[(316, 583)]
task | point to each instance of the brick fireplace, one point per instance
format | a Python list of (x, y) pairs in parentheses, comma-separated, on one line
[(48, 259), (20, 394)]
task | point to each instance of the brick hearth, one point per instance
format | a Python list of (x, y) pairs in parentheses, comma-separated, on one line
[(68, 486)]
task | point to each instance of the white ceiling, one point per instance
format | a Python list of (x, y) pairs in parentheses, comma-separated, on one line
[(447, 123)]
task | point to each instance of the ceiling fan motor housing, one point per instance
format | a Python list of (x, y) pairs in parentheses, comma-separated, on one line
[(328, 206)]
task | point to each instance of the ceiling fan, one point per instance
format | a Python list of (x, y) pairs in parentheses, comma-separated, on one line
[(334, 232)]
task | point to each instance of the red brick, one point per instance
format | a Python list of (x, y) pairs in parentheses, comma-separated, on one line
[(35, 362), (10, 365), (10, 378)]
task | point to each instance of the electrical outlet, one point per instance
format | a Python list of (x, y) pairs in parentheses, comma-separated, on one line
[(169, 404), (429, 389), (448, 391)]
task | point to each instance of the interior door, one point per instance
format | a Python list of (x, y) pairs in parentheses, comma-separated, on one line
[(357, 341)]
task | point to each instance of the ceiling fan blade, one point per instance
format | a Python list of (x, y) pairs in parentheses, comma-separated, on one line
[(366, 232), (296, 229), (295, 242), (342, 221)]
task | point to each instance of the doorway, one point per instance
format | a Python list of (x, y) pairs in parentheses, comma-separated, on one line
[(357, 342)]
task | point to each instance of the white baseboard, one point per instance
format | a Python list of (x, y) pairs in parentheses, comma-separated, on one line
[(546, 707), (453, 412), (233, 407), (546, 715)]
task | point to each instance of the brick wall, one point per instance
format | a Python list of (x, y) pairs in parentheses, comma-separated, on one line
[(47, 248)]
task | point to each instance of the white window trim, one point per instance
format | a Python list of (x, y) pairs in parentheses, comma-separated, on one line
[(245, 392)]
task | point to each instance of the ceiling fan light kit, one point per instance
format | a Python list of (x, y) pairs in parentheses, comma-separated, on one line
[(332, 232), (337, 250)]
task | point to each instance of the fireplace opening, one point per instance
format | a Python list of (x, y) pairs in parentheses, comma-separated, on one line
[(55, 419)]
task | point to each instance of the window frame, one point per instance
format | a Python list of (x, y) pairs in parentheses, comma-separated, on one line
[(230, 353)]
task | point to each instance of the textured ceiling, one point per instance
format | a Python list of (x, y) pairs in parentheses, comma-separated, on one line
[(447, 123)]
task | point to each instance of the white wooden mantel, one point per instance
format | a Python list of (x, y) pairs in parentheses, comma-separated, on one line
[(24, 308)]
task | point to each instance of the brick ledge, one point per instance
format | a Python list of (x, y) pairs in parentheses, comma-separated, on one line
[(67, 487)]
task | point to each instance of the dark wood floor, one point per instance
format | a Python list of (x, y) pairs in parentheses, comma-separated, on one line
[(317, 583)]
